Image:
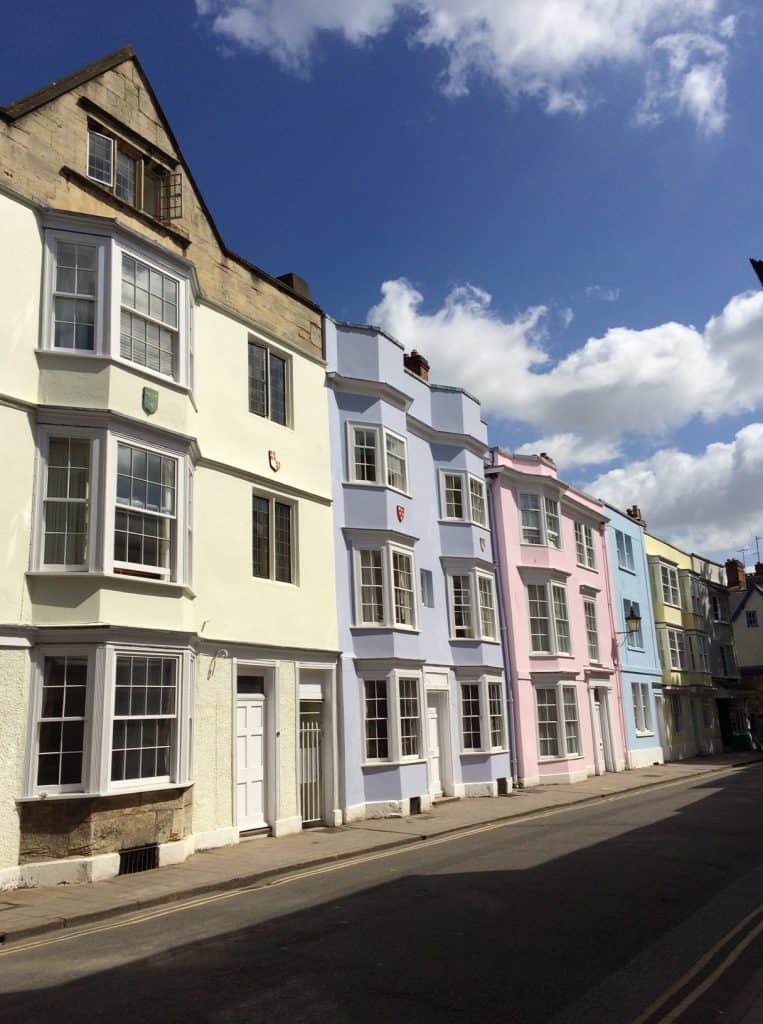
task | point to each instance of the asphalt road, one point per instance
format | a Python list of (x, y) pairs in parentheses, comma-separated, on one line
[(587, 915)]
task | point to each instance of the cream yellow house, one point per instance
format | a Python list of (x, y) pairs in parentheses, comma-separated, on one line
[(167, 609), (687, 709)]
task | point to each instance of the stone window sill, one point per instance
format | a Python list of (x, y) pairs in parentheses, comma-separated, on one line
[(37, 798)]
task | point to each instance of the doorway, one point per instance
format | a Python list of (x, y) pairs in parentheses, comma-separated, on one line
[(311, 783), (437, 740), (602, 732), (251, 753)]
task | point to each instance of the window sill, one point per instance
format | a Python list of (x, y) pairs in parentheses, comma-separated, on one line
[(546, 655), (624, 568), (643, 734), (109, 360), (463, 522), (180, 588), (557, 758), (588, 568), (472, 640), (376, 487), (385, 629), (483, 753), (126, 791), (393, 764)]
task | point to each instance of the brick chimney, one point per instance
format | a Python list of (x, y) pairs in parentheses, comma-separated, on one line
[(634, 513), (735, 575), (417, 364), (297, 284), (548, 459)]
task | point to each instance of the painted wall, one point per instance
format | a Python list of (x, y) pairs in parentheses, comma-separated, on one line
[(14, 693), (639, 663), (523, 564), (443, 430)]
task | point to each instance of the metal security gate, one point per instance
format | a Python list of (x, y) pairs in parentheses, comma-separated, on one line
[(310, 776)]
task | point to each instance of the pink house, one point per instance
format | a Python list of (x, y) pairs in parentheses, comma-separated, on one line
[(550, 543)]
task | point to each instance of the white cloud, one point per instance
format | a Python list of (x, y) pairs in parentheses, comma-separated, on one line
[(539, 48), (643, 382), (595, 291), (710, 502), (567, 315), (570, 451)]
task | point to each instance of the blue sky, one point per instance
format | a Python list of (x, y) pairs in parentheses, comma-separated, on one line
[(519, 182)]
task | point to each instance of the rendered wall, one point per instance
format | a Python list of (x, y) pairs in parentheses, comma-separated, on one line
[(14, 691)]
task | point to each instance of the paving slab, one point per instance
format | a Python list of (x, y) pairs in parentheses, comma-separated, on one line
[(30, 912)]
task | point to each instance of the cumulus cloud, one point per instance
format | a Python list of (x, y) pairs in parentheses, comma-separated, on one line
[(571, 452), (543, 49), (643, 382), (710, 502)]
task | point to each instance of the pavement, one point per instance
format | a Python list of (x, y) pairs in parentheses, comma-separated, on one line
[(31, 912)]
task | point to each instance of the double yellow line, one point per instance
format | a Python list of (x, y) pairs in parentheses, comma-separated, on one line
[(694, 994), (128, 921)]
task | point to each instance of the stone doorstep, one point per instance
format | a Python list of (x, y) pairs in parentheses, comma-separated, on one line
[(34, 921)]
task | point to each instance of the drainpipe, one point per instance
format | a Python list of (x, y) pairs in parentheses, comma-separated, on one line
[(493, 483), (616, 646)]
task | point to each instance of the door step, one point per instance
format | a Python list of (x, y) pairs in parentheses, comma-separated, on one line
[(438, 801)]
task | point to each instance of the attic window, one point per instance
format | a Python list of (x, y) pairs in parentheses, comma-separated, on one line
[(134, 177)]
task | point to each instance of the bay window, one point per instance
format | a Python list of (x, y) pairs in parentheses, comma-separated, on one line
[(584, 546), (377, 455), (462, 498), (106, 296), (482, 715), (675, 653), (108, 718), (549, 620), (392, 717), (385, 590), (66, 505), (145, 527), (671, 593), (540, 523), (558, 722), (472, 605)]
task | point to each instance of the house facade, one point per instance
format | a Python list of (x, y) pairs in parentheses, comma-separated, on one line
[(640, 670), (551, 549), (746, 604), (422, 691), (680, 597), (167, 606)]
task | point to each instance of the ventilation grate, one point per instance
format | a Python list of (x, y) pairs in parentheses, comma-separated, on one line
[(139, 858)]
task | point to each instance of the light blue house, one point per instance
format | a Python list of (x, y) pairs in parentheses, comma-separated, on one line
[(422, 707), (640, 670)]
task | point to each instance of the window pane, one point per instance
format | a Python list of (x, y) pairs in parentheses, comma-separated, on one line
[(74, 296), (364, 453), (147, 292), (261, 537), (470, 716), (61, 729), (461, 591), (371, 588), (283, 542), (409, 717), (571, 736), (548, 722), (561, 621), (397, 473), (377, 733), (487, 606), (592, 632), (540, 639), (477, 497), (277, 389), (402, 585), (496, 714), (553, 528), (66, 503), (258, 388), (125, 186), (99, 158), (141, 744), (529, 505), (454, 496)]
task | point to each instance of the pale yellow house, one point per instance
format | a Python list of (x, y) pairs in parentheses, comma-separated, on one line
[(680, 593), (167, 608)]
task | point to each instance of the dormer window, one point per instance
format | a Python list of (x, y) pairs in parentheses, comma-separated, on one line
[(133, 176)]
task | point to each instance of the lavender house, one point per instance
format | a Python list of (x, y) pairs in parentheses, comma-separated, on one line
[(422, 688)]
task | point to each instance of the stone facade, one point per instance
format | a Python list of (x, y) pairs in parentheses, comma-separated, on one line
[(78, 828)]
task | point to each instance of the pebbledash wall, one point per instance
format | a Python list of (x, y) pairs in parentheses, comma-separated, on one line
[(553, 572), (240, 420), (640, 671), (422, 692)]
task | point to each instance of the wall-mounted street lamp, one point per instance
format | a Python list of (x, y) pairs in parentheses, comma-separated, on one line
[(632, 623)]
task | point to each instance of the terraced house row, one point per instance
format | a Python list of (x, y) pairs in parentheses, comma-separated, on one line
[(259, 573)]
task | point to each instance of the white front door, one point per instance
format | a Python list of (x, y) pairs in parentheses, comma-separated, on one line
[(598, 739), (433, 746), (250, 762)]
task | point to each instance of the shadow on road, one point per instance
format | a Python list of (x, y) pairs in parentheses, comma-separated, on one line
[(515, 943)]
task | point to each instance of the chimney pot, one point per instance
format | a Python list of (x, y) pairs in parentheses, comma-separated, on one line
[(297, 284), (417, 364), (736, 578), (634, 513)]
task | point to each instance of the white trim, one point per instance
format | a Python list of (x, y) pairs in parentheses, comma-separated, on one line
[(255, 338), (274, 498), (392, 679), (475, 605), (15, 642), (387, 549), (466, 497), (270, 671), (482, 682), (380, 432)]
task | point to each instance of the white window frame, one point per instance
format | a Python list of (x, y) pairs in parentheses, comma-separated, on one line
[(483, 684), (475, 604), (544, 514), (553, 631), (467, 479), (108, 301), (634, 641), (585, 548), (642, 709), (563, 754), (102, 505), (592, 630), (624, 545), (99, 718), (670, 588), (381, 433), (676, 645), (392, 678), (112, 161), (388, 548), (273, 499)]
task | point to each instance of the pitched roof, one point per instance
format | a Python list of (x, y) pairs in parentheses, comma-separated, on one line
[(27, 104), (738, 610)]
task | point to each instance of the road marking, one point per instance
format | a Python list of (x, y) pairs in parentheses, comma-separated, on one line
[(699, 966), (339, 865)]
